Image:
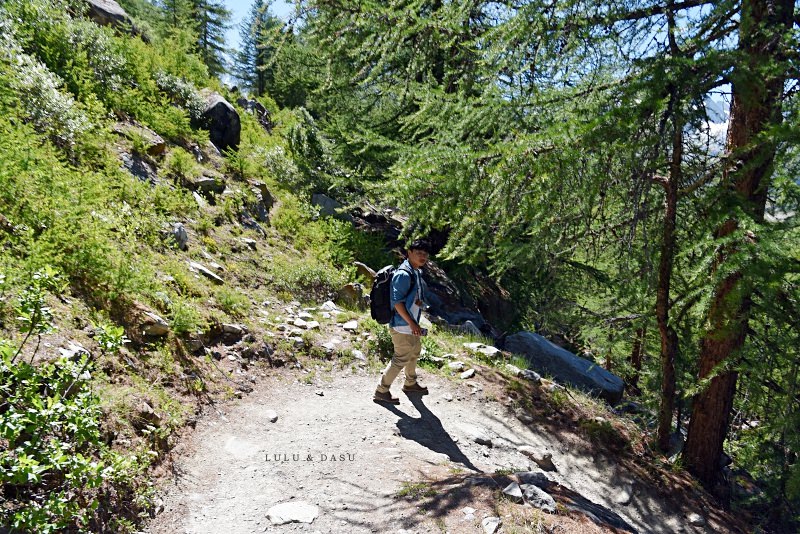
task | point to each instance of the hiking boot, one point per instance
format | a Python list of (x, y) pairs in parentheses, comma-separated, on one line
[(385, 398), (415, 388)]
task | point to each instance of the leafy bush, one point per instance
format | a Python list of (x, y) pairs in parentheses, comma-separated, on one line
[(45, 105), (55, 464)]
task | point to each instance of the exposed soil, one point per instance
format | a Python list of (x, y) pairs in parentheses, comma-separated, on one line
[(408, 468)]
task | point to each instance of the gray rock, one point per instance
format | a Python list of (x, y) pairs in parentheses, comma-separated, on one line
[(456, 366), (358, 355), (139, 167), (208, 184), (300, 323), (234, 329), (513, 492), (696, 520), (470, 328), (109, 13), (292, 512), (320, 393), (513, 369), (197, 267), (155, 144), (480, 348), (538, 498), (533, 376), (491, 525), (252, 244), (329, 207), (350, 326), (305, 315), (329, 306), (448, 397), (154, 325), (271, 416), (222, 122), (180, 235), (468, 374), (565, 367), (312, 325)]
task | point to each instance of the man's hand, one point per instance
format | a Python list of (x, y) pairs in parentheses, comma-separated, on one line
[(401, 310)]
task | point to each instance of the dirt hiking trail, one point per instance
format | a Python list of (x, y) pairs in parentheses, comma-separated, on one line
[(435, 463)]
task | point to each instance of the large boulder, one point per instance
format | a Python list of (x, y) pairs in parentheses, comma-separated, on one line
[(545, 357), (109, 13), (222, 122)]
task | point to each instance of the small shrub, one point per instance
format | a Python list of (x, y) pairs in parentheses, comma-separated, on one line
[(184, 317), (233, 302)]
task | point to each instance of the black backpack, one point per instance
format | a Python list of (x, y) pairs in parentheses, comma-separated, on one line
[(380, 297)]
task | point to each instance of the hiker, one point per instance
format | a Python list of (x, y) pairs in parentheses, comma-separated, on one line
[(407, 303)]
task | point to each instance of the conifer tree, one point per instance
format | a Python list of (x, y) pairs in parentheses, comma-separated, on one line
[(254, 62)]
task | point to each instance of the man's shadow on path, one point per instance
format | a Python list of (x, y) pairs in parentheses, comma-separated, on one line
[(427, 430)]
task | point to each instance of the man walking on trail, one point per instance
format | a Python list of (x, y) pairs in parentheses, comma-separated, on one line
[(407, 300)]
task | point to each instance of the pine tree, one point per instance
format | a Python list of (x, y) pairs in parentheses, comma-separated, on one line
[(211, 19), (254, 62)]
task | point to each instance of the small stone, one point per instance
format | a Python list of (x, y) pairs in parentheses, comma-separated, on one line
[(305, 315), (312, 325), (533, 376), (696, 520), (624, 497), (456, 366), (320, 393), (513, 369), (271, 416), (328, 306), (468, 511), (251, 243), (358, 355), (468, 374), (480, 348), (350, 326), (235, 330), (448, 397), (155, 325), (491, 525), (513, 492), (199, 268), (300, 322), (292, 512), (232, 358)]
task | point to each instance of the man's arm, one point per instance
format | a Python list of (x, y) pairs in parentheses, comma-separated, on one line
[(400, 308)]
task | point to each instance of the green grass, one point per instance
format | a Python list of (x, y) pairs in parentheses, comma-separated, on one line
[(415, 491)]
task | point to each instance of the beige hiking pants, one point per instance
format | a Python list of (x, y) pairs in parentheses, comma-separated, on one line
[(406, 352)]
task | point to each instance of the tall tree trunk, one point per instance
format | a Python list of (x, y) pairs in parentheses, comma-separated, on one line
[(669, 339), (758, 82)]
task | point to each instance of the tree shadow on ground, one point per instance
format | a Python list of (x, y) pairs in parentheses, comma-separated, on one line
[(427, 430)]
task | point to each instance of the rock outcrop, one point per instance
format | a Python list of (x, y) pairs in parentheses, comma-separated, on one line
[(546, 357), (222, 122)]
